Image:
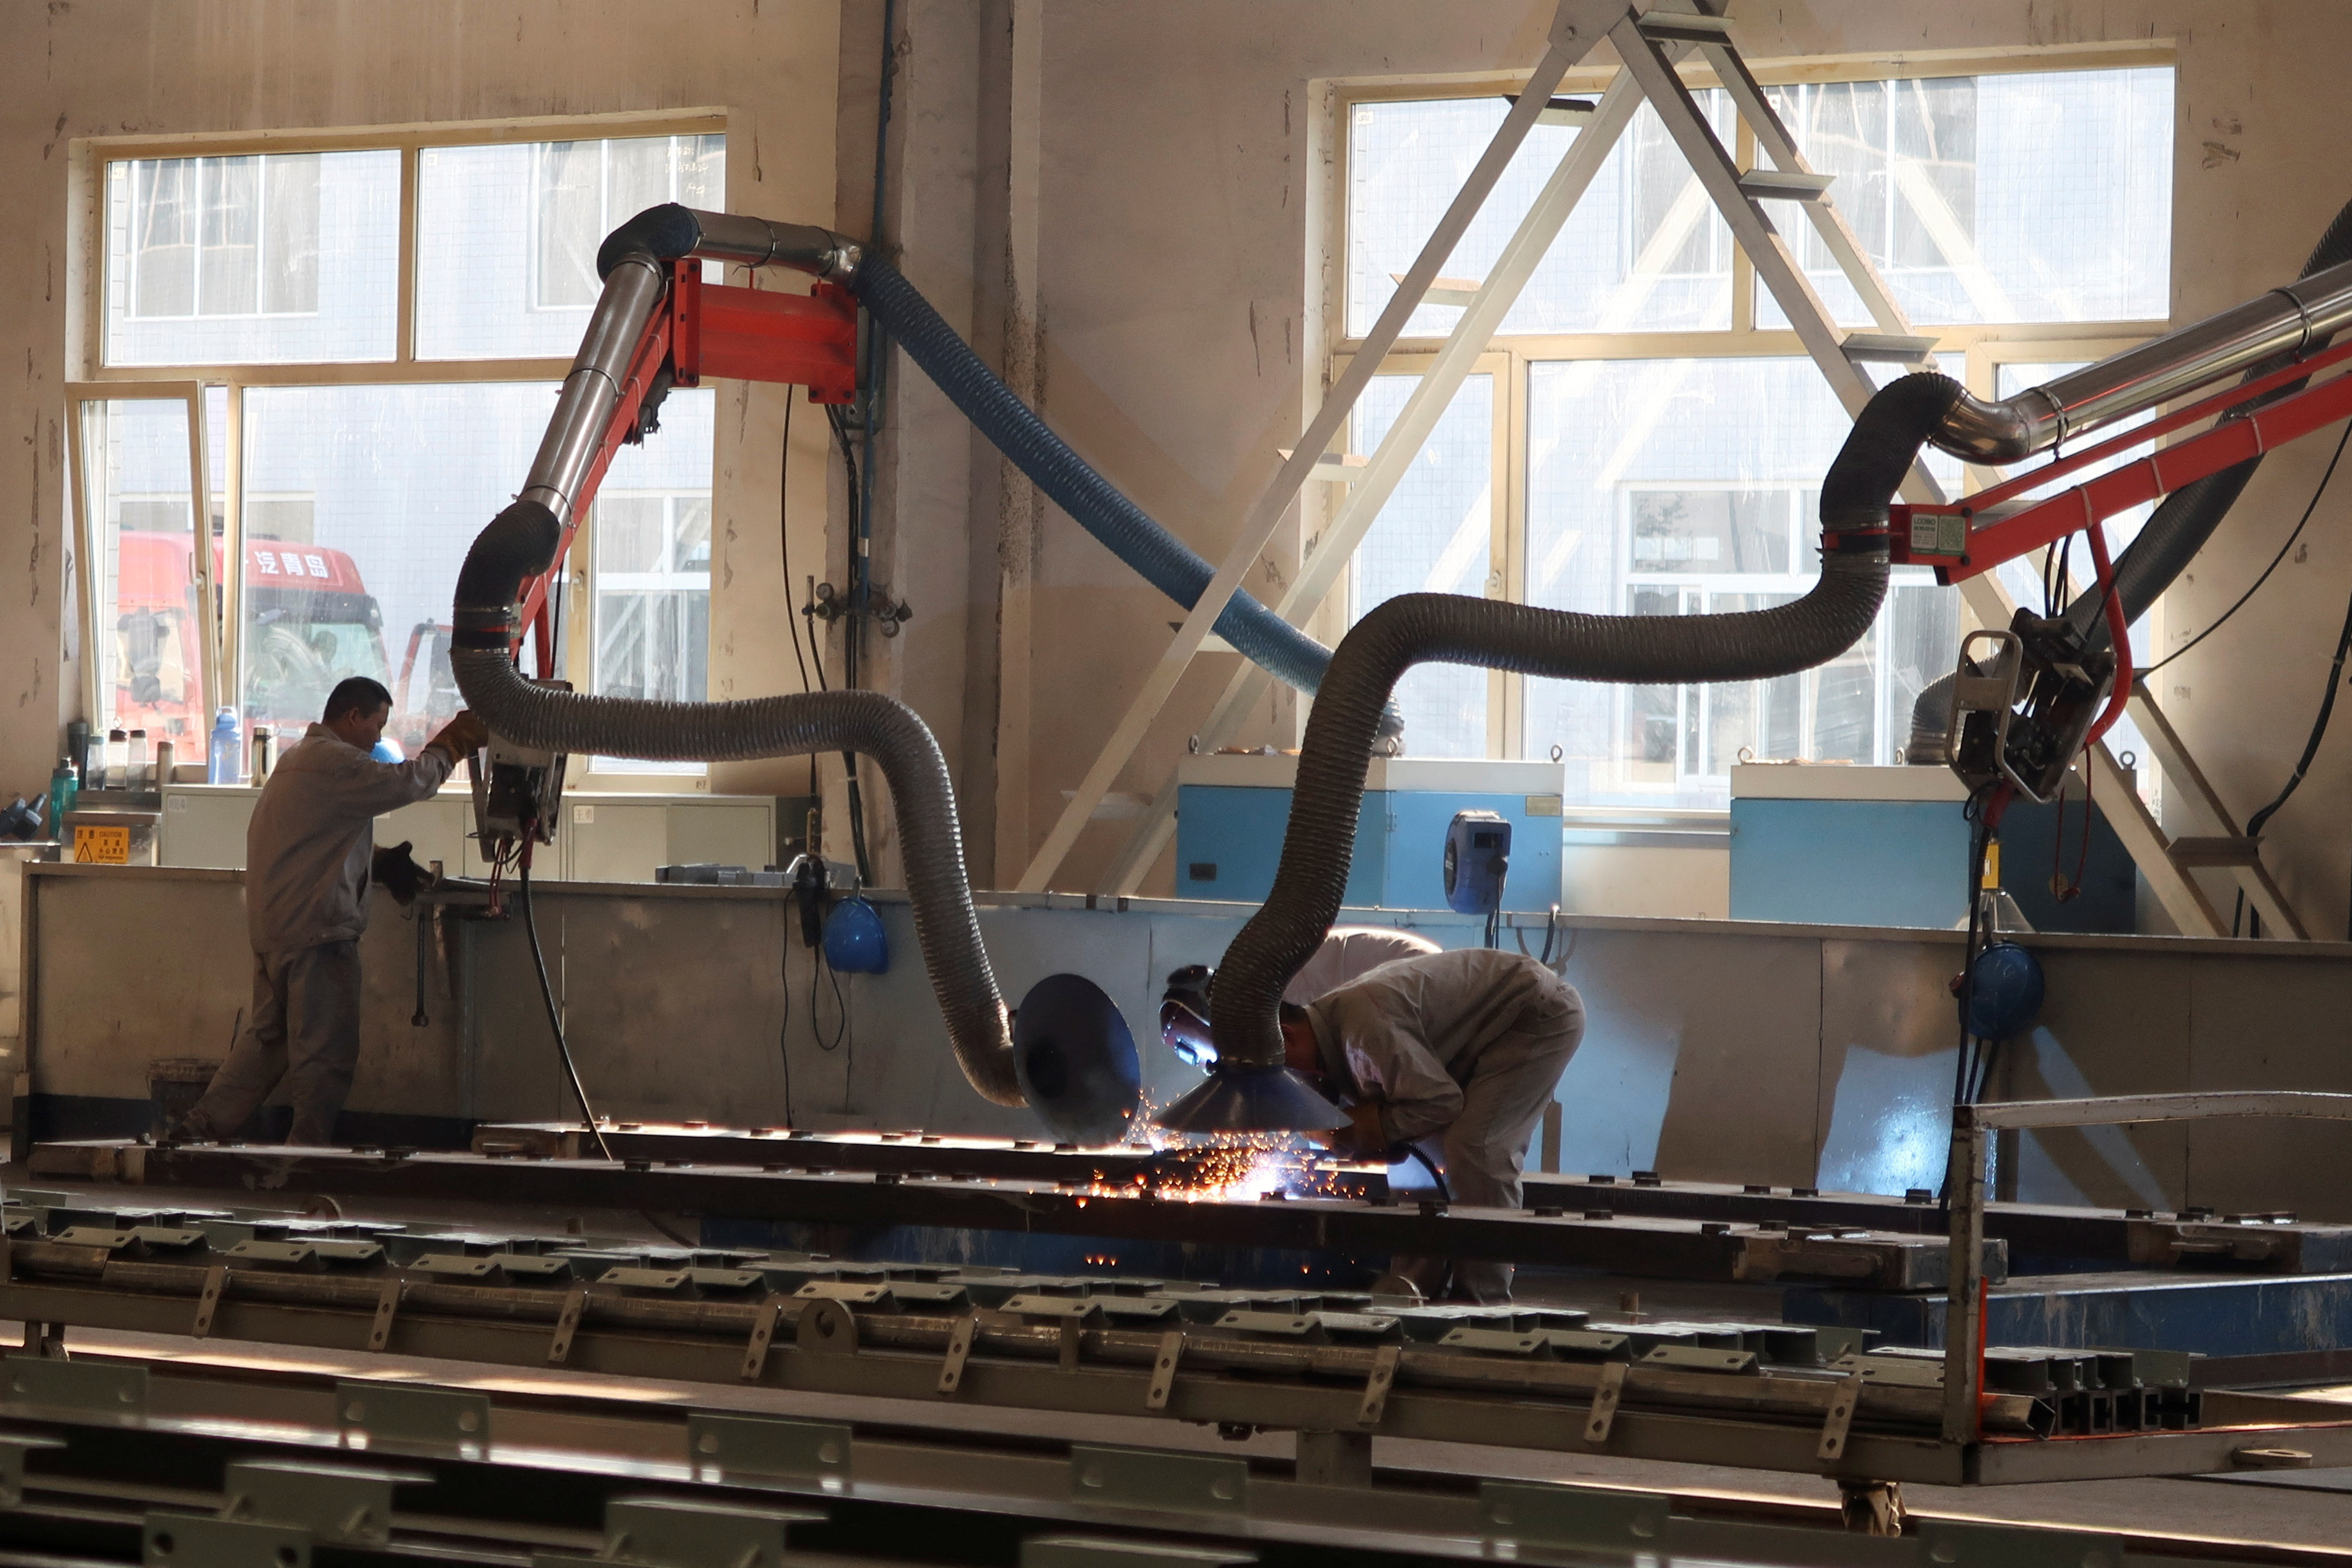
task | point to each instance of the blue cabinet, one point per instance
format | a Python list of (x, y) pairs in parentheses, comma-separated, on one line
[(1231, 813)]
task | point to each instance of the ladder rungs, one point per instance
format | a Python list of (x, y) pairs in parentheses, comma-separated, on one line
[(1561, 110), (1334, 468), (1447, 291), (2216, 852), (1667, 26), (1887, 346), (1786, 185)]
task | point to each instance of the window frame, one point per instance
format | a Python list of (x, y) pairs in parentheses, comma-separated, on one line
[(92, 379), (1984, 347)]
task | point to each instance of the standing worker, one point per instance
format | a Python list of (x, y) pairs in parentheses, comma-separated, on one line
[(306, 867), (1462, 1049)]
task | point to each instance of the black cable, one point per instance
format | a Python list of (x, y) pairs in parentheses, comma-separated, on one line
[(785, 552), (648, 1216), (1444, 1192), (2274, 566), (2318, 729), (547, 995), (850, 641), (785, 1030)]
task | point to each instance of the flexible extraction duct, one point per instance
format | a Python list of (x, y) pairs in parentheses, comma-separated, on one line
[(521, 543), (669, 232), (1415, 628), (2181, 523)]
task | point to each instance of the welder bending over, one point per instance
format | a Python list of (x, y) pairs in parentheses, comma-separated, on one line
[(1460, 1050)]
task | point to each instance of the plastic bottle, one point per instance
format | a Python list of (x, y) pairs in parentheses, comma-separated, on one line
[(221, 760), (141, 774), (63, 793), (118, 762)]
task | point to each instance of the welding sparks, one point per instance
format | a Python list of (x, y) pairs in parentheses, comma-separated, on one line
[(1223, 1168)]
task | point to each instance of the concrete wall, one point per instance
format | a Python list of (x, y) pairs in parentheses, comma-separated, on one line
[(1714, 1050)]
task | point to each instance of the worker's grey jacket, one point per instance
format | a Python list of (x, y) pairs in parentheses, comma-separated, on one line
[(308, 846), (1410, 1034), (1351, 953)]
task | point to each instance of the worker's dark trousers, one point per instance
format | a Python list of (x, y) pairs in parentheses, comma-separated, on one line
[(1483, 1149), (304, 1031)]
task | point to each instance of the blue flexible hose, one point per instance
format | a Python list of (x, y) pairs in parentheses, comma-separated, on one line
[(1163, 560)]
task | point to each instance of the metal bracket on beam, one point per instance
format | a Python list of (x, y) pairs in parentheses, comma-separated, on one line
[(672, 1533), (1842, 1405), (202, 1540), (1535, 1513), (1606, 1393), (85, 1385), (1156, 1480), (1377, 1386), (377, 1413), (333, 1502), (768, 1446), (1951, 1544), (208, 1299), (567, 1323), (14, 1448), (764, 1334), (959, 1352), (1163, 1369), (387, 1304)]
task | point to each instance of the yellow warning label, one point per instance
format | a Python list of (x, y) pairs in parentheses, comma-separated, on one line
[(101, 845)]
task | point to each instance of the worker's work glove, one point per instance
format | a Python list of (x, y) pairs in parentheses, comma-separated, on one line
[(401, 876), (1361, 1139), (463, 735)]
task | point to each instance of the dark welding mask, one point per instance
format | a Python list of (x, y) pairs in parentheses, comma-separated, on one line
[(1187, 1034)]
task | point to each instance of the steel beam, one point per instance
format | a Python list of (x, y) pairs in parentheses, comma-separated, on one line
[(1658, 1249)]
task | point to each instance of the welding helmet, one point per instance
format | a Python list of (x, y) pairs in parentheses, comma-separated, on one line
[(1186, 1033)]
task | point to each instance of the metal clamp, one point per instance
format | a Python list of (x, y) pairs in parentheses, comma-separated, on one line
[(196, 1538), (764, 1334), (567, 1323), (685, 1534), (1377, 1385), (208, 1299), (334, 1502), (1156, 1480), (766, 1446), (387, 1304), (86, 1385), (959, 1352), (377, 1413), (1844, 1401), (1606, 1393), (1163, 1369)]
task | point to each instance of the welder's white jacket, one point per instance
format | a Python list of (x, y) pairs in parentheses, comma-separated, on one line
[(308, 846), (1411, 1035), (1351, 953)]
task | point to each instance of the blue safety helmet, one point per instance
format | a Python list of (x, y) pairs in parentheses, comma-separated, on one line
[(2004, 992), (853, 943)]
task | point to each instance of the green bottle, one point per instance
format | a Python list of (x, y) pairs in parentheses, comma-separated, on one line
[(65, 792)]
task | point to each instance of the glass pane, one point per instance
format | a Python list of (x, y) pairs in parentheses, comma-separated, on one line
[(1692, 486), (1434, 536), (652, 615), (270, 259), (359, 503), (2038, 197), (1642, 251), (506, 234), (147, 612)]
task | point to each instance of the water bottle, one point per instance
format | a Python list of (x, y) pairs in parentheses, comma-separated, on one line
[(141, 774), (221, 760), (117, 768), (63, 793)]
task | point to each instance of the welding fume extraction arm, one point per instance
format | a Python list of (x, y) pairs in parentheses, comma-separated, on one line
[(523, 542)]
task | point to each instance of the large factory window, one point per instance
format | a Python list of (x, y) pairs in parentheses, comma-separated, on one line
[(1645, 433), (352, 422)]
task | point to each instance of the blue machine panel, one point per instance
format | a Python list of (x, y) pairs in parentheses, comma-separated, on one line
[(1229, 841)]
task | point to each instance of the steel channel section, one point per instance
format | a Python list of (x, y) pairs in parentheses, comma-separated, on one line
[(1656, 1249)]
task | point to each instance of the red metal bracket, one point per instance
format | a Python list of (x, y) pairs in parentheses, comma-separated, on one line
[(712, 329), (1948, 538)]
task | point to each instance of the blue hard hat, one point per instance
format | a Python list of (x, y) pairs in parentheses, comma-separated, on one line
[(853, 943), (2004, 992)]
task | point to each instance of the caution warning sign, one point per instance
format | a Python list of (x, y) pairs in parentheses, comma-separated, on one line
[(101, 845)]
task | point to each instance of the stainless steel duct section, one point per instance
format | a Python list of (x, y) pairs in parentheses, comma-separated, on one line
[(2286, 323), (633, 292)]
